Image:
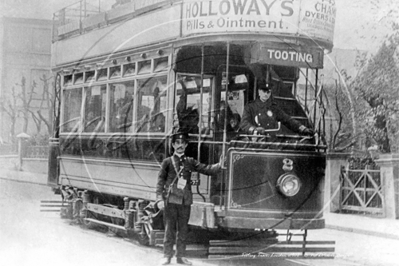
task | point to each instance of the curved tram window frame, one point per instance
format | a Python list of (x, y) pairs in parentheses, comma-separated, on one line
[(132, 104)]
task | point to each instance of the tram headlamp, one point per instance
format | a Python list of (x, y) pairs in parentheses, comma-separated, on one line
[(289, 184)]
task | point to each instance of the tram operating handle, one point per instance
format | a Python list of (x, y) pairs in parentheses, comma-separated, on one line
[(306, 131), (302, 129), (263, 131)]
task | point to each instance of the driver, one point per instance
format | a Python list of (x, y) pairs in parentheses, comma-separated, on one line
[(263, 114)]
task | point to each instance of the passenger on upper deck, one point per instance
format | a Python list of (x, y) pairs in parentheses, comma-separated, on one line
[(157, 118), (188, 116), (235, 122), (220, 119), (263, 114)]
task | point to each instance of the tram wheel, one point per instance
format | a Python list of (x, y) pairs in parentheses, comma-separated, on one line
[(143, 237), (88, 224)]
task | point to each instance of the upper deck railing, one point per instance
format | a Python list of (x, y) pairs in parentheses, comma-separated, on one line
[(86, 15), (292, 31)]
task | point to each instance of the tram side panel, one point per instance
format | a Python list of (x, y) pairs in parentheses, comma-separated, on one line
[(122, 167), (109, 168)]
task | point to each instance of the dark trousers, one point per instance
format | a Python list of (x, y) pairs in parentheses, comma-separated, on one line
[(176, 218)]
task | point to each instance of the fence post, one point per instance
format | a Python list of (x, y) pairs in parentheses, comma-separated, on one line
[(389, 166), (332, 185), (22, 137)]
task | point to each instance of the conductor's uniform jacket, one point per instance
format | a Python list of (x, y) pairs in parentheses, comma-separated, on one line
[(185, 165), (176, 216)]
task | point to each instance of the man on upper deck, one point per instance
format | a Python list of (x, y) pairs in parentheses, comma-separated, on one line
[(263, 114)]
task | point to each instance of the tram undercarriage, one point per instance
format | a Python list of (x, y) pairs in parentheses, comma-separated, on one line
[(142, 221)]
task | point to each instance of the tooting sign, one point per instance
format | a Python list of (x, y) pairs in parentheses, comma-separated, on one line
[(287, 55)]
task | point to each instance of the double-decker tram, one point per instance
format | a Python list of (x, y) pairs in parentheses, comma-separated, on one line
[(132, 75)]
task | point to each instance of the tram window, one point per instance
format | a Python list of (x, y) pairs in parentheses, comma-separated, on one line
[(129, 69), (89, 76), (144, 67), (238, 86), (102, 74), (235, 108), (121, 106), (161, 64), (189, 101), (72, 106), (286, 90), (151, 104), (68, 80), (115, 72), (78, 78), (95, 103)]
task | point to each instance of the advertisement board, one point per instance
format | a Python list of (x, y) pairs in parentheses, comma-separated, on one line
[(314, 18), (317, 19)]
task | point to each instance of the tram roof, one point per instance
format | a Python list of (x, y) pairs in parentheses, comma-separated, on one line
[(141, 24)]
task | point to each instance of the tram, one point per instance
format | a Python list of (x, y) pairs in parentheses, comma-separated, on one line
[(130, 76)]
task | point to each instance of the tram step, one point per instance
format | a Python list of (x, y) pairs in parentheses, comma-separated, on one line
[(196, 251), (239, 243), (223, 248), (274, 249)]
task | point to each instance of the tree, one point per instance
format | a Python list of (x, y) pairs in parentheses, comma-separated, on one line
[(9, 106), (377, 95), (341, 135), (26, 98), (20, 104), (46, 103), (343, 132)]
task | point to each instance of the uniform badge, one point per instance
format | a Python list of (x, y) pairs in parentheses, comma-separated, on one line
[(269, 113)]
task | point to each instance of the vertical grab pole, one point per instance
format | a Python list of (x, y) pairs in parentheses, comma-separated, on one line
[(200, 117), (306, 90), (200, 105), (225, 122), (315, 98), (225, 101)]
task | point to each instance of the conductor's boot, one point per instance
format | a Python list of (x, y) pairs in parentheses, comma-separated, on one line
[(183, 261), (165, 261)]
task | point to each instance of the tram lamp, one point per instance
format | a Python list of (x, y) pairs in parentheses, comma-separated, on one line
[(143, 55), (289, 184), (114, 61), (160, 52), (128, 58)]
